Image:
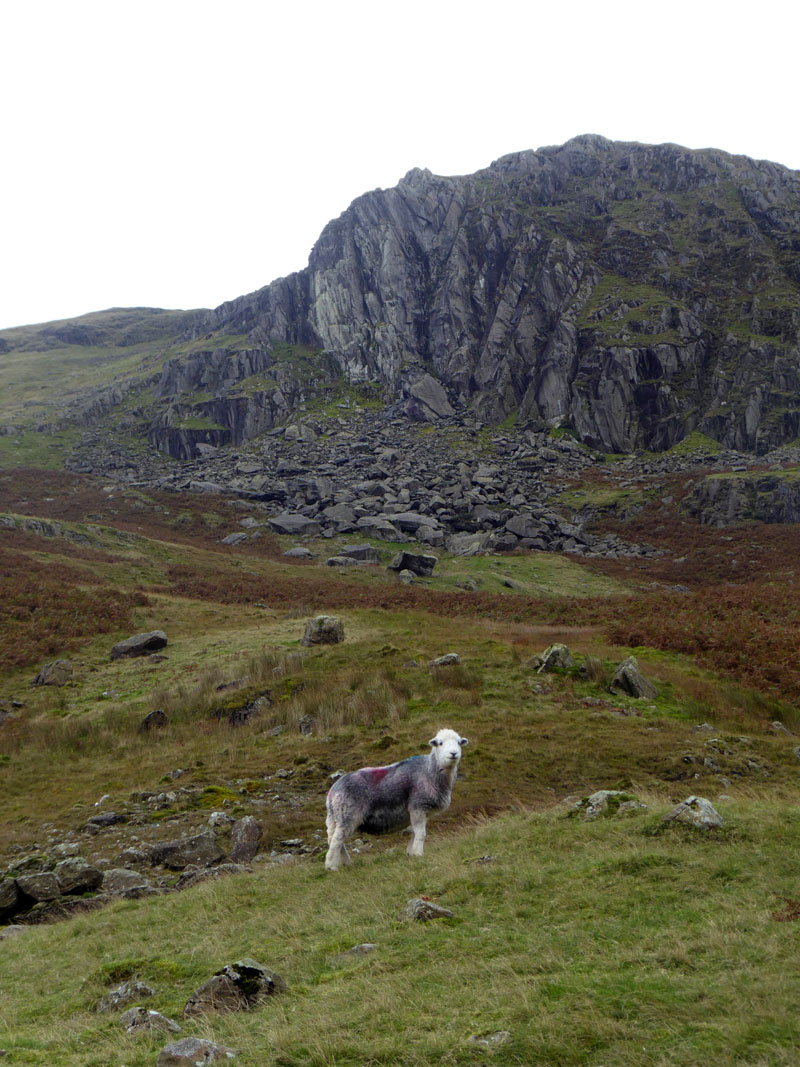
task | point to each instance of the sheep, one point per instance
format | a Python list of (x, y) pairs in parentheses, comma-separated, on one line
[(376, 800)]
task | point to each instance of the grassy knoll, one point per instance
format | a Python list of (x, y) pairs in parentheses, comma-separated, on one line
[(588, 943)]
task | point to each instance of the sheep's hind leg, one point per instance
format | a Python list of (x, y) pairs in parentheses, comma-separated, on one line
[(337, 835), (416, 845)]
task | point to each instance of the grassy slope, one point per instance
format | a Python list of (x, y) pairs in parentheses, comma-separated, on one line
[(590, 943)]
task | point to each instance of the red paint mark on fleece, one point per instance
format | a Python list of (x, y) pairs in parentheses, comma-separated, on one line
[(375, 773)]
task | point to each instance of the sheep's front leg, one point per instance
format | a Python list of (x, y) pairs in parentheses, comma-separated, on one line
[(417, 844)]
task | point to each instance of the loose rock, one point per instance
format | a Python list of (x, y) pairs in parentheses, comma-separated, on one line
[(140, 645), (323, 630), (697, 812), (193, 1052), (238, 986), (423, 910), (628, 679)]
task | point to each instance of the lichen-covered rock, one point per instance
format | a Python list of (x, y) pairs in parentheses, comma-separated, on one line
[(555, 657), (139, 1018), (140, 645), (423, 910), (449, 659), (59, 672), (697, 812), (200, 849), (323, 630), (607, 803), (119, 880), (123, 995), (245, 837), (194, 1052), (77, 876), (39, 887), (9, 897), (629, 680), (239, 986)]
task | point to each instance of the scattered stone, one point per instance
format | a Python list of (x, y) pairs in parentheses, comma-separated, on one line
[(156, 720), (59, 672), (779, 728), (306, 724), (449, 659), (697, 812), (137, 1019), (423, 910), (234, 538), (121, 880), (193, 1052), (342, 561), (298, 552), (629, 680), (297, 525), (245, 837), (239, 986), (490, 1040), (140, 645), (9, 896), (96, 823), (607, 803), (194, 875), (323, 630), (363, 553), (200, 849), (123, 995), (39, 887), (420, 565), (11, 931), (75, 875), (555, 657)]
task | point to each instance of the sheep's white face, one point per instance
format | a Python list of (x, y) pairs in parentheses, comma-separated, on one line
[(446, 747)]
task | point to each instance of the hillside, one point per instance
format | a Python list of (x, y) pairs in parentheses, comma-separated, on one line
[(550, 404)]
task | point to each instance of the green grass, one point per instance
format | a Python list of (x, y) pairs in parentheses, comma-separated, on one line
[(590, 943)]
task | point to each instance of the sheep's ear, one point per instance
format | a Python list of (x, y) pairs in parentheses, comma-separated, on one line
[(463, 740), (434, 741)]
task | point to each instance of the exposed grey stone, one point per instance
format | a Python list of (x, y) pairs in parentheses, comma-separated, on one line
[(238, 986), (156, 720), (140, 644), (418, 564), (200, 849), (123, 995), (323, 630), (75, 875), (628, 679), (9, 896), (296, 524), (449, 659), (342, 561), (119, 880), (423, 910), (299, 552), (697, 812), (59, 672), (607, 803), (194, 1052), (137, 1019), (44, 886), (554, 657), (245, 837), (363, 553), (234, 538)]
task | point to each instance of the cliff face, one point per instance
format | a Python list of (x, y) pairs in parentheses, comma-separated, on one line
[(633, 292)]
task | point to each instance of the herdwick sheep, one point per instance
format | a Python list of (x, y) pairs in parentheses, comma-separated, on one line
[(375, 800)]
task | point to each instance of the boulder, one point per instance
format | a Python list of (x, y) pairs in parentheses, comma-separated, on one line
[(140, 645), (697, 812), (630, 681), (9, 897), (449, 659), (59, 672), (417, 564), (298, 552), (554, 657), (119, 880), (156, 720), (39, 887), (295, 524), (526, 526), (245, 837), (194, 1052), (239, 986), (363, 553), (323, 630), (342, 561), (77, 876), (200, 849), (428, 400), (380, 528)]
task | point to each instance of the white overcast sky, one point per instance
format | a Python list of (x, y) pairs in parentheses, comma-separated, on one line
[(180, 153)]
